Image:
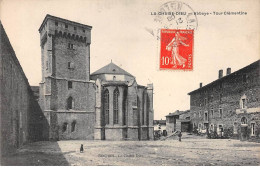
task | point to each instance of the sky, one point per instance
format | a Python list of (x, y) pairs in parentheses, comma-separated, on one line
[(120, 34)]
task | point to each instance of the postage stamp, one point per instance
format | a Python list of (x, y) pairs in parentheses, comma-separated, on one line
[(176, 49)]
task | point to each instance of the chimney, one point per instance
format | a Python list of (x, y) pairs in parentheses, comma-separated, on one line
[(220, 73), (228, 71), (200, 85)]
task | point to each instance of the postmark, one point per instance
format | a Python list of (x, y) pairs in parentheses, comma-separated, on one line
[(176, 15), (173, 15), (176, 49)]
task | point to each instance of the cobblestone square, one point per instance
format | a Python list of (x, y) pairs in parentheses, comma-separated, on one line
[(191, 151)]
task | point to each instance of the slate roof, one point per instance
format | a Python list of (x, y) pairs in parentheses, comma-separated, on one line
[(256, 63), (111, 68)]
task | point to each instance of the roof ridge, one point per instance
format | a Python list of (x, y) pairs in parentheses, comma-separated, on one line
[(111, 68)]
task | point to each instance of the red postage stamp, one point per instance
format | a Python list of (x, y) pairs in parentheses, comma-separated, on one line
[(176, 51)]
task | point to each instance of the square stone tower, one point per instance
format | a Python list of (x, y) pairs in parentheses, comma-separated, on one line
[(67, 97)]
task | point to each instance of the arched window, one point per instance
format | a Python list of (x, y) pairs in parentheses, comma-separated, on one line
[(73, 126), (70, 103), (115, 105), (106, 106)]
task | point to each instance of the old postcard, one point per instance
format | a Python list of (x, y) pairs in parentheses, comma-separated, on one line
[(130, 83)]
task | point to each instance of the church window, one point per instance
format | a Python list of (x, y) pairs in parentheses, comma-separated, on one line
[(75, 28), (115, 105), (66, 26), (83, 30), (124, 106), (106, 106), (56, 23), (70, 103)]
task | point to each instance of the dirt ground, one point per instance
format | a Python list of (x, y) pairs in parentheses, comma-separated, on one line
[(191, 151)]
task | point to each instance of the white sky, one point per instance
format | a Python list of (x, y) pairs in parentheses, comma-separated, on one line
[(119, 34)]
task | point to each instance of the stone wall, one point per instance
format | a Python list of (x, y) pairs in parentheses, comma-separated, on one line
[(22, 120)]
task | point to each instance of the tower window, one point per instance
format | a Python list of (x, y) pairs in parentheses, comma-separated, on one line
[(70, 46), (70, 103), (75, 28), (64, 127), (212, 113), (83, 30), (56, 23), (73, 126), (70, 65), (66, 26), (69, 84)]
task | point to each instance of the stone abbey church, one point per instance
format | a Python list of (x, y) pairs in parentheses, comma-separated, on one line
[(105, 105)]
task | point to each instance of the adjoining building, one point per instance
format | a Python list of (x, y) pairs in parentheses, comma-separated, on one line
[(160, 127), (106, 105), (178, 121), (21, 119), (230, 105)]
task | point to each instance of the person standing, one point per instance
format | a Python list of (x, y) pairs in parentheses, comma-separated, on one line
[(81, 148), (179, 135)]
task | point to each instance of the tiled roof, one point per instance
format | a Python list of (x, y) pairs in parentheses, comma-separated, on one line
[(177, 113)]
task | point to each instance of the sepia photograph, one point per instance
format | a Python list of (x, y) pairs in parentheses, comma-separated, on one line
[(130, 83)]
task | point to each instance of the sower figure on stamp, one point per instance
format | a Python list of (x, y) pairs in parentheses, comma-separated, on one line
[(173, 46), (179, 135)]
